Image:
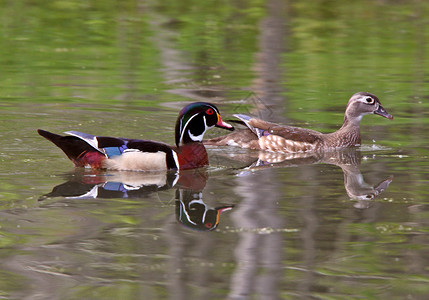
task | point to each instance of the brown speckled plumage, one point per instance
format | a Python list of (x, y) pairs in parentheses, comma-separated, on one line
[(263, 135)]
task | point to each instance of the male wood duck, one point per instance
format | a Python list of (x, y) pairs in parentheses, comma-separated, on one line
[(100, 152), (268, 136)]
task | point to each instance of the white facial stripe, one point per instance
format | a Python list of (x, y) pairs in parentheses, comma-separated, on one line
[(183, 128), (214, 108), (196, 138), (200, 201), (188, 217), (199, 138)]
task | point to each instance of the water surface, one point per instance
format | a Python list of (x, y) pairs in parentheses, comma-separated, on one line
[(348, 224)]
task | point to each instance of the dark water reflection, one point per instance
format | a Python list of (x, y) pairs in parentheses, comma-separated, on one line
[(191, 210)]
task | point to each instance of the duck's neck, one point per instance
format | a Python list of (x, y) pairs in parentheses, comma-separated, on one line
[(348, 135), (192, 155)]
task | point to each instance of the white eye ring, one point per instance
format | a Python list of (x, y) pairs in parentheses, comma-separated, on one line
[(369, 100)]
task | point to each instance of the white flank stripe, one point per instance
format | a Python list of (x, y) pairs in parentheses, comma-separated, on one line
[(176, 159)]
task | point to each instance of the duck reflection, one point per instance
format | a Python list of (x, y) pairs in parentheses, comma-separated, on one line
[(191, 210), (91, 185), (349, 160)]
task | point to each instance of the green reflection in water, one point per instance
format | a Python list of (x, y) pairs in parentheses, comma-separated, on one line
[(92, 66)]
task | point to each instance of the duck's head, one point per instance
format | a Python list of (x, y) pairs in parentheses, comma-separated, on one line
[(193, 121), (363, 103)]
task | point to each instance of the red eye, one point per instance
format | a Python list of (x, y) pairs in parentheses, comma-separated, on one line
[(209, 111)]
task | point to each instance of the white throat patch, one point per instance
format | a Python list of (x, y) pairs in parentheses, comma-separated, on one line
[(195, 138)]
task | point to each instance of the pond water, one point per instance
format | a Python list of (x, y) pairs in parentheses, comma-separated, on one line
[(348, 224)]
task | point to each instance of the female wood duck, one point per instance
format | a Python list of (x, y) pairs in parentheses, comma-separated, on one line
[(99, 152), (268, 136)]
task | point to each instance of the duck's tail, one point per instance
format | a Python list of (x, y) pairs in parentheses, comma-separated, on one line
[(76, 149), (246, 120)]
